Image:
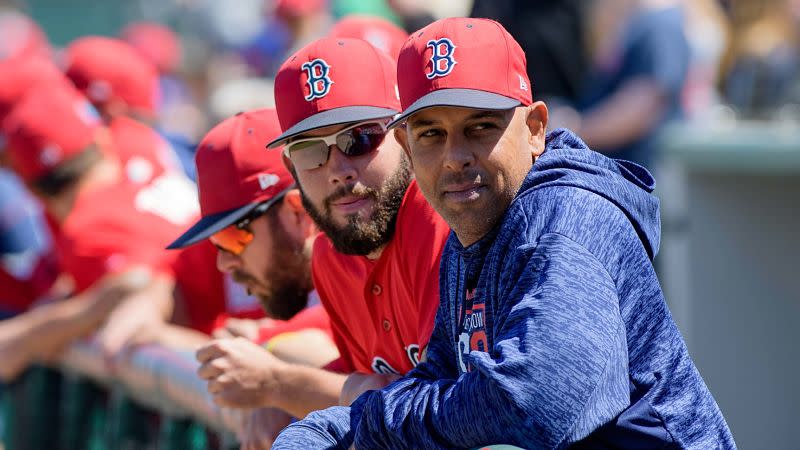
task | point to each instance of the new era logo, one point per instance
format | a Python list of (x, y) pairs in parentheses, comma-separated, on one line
[(523, 85), (266, 180)]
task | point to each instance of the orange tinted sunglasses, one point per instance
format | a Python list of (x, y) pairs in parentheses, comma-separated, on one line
[(235, 237), (232, 239)]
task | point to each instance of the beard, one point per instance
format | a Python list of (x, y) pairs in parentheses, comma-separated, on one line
[(359, 236), (288, 282)]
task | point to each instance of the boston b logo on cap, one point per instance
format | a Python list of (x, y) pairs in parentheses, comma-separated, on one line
[(318, 79), (442, 61), (334, 81)]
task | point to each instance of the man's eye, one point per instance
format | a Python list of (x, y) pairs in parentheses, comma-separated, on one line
[(429, 134), (483, 126)]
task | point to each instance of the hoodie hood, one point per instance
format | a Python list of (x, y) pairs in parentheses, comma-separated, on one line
[(568, 161)]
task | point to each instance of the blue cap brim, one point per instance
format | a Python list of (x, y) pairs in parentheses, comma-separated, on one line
[(209, 225), (336, 116), (463, 98)]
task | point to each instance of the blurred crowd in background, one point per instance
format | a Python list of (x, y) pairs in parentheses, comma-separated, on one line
[(614, 71)]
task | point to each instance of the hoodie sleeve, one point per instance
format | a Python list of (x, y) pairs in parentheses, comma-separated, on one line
[(333, 428), (557, 369)]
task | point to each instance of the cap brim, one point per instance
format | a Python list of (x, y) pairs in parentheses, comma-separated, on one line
[(211, 224), (464, 98), (336, 116)]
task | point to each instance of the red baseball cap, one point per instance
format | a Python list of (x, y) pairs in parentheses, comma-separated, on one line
[(471, 63), (48, 126), (378, 31), (234, 176), (106, 68), (156, 42), (291, 9), (333, 81), (21, 36), (21, 74)]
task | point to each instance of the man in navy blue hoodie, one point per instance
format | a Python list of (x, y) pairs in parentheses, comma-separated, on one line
[(552, 330)]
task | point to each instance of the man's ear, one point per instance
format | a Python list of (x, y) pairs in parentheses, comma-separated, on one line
[(293, 200), (537, 125), (401, 135)]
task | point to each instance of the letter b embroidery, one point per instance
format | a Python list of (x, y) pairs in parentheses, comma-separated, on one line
[(442, 61), (319, 81)]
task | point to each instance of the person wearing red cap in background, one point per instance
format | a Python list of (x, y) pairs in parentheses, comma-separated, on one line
[(124, 87), (29, 269), (376, 266), (552, 331), (379, 32), (110, 235), (252, 212), (20, 36), (307, 20), (156, 43)]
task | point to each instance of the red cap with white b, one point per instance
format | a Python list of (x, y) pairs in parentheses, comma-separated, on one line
[(234, 175), (463, 62), (334, 81)]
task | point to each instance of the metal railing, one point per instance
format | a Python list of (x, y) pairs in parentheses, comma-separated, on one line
[(148, 397)]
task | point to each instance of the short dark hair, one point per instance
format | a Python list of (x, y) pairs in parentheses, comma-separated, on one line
[(67, 173)]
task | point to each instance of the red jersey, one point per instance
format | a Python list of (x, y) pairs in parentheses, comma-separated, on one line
[(382, 311), (114, 228)]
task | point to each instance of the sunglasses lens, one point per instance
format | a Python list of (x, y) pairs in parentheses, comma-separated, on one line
[(361, 140), (309, 155), (232, 239)]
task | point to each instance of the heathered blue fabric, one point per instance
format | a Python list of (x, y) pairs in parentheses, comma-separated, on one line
[(583, 351)]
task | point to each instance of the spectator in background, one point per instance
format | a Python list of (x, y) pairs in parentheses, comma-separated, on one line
[(179, 117), (124, 88), (639, 56), (28, 267), (109, 232), (552, 34), (761, 68), (707, 31), (104, 224), (21, 36), (307, 20)]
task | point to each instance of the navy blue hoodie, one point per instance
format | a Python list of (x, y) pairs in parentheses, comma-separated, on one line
[(552, 332)]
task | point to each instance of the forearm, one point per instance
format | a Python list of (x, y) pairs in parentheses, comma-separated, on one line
[(310, 347), (56, 324), (300, 390), (329, 429), (627, 116)]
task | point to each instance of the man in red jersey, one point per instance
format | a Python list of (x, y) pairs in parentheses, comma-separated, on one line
[(110, 234), (376, 266), (252, 212), (123, 86)]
